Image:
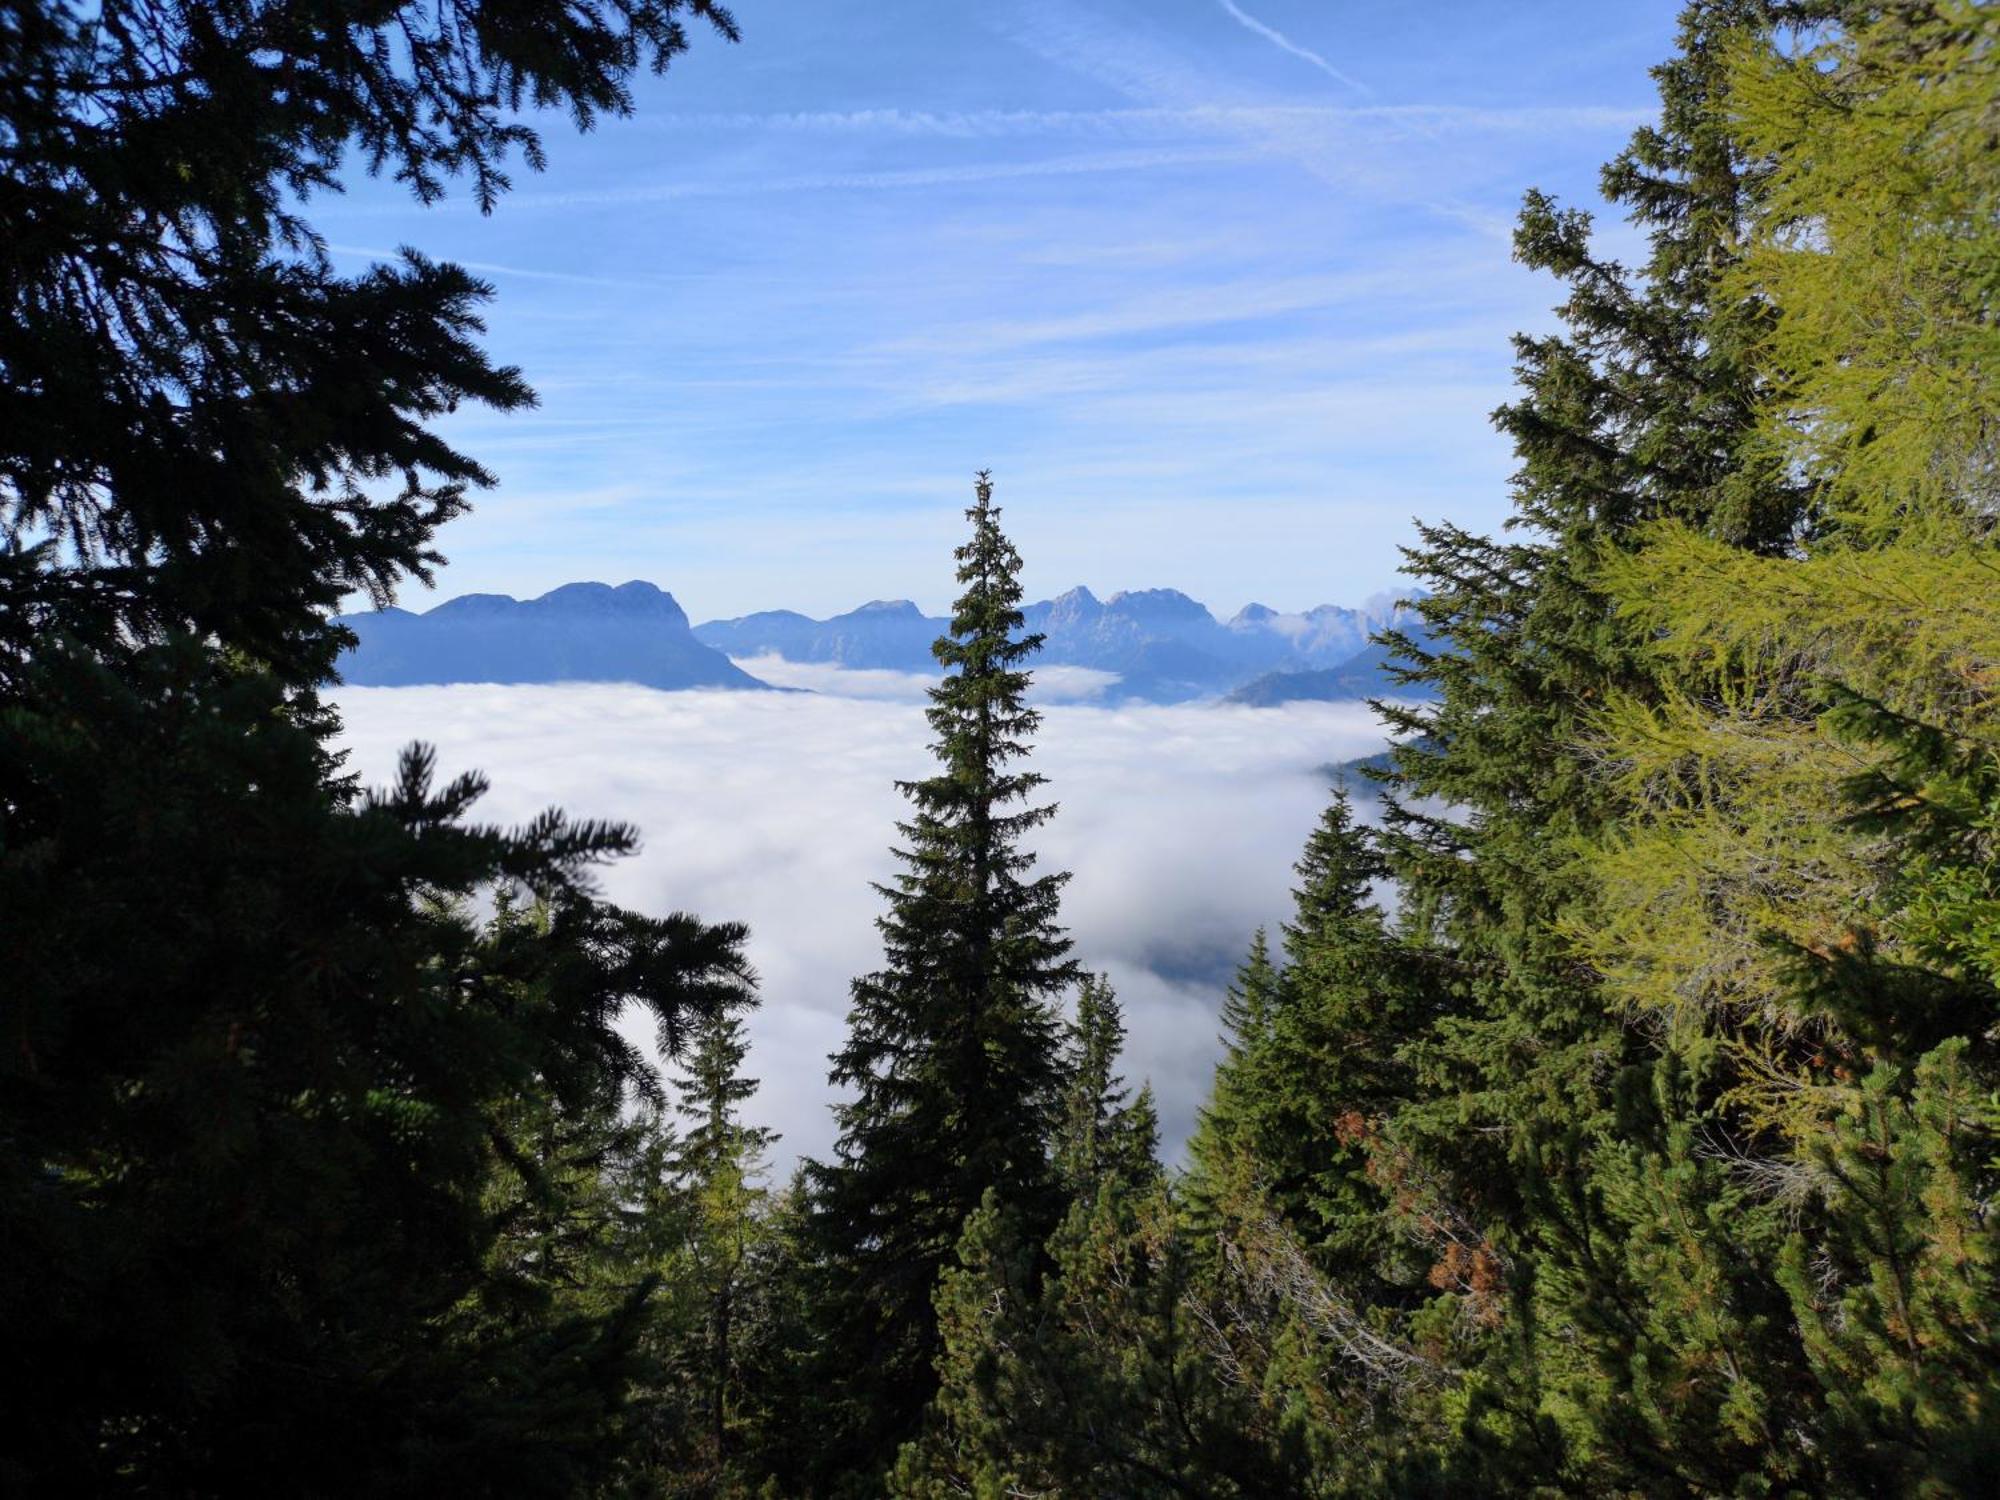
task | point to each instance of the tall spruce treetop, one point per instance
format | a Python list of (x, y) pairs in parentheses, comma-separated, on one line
[(952, 1053), (712, 1096), (1335, 873)]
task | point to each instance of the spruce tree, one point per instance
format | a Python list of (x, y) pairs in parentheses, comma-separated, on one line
[(251, 1119), (951, 1057), (1078, 1365), (1101, 1131), (1331, 1069), (1224, 1126), (202, 425), (1807, 883), (1515, 1135), (1542, 1126), (715, 1171)]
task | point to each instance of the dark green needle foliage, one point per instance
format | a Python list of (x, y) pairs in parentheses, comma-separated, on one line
[(220, 432), (1618, 1118), (1101, 1131), (1223, 1127), (722, 1252), (1647, 1150), (266, 1076), (1314, 1060), (259, 1060), (952, 1052), (1081, 1364), (1542, 1122)]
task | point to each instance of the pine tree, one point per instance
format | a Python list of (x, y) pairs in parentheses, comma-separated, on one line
[(951, 1056)]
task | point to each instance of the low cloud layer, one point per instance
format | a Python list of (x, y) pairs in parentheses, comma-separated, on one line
[(1180, 825), (1051, 684)]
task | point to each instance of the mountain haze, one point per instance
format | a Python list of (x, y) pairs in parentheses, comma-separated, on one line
[(1165, 646), (1162, 645)]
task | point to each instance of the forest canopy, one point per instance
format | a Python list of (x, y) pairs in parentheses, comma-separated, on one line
[(1616, 1113)]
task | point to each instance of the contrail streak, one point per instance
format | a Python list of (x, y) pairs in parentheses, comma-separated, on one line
[(1278, 39)]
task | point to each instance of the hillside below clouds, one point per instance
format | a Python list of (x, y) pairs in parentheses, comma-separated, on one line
[(1163, 646)]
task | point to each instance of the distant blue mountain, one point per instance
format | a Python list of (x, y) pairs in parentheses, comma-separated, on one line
[(581, 632), (890, 633), (1164, 646)]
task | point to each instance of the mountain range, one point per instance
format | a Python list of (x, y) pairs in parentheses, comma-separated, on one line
[(1163, 646)]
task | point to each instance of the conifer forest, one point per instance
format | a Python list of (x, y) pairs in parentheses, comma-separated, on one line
[(1616, 1112)]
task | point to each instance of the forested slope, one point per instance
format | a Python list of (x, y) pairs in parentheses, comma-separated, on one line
[(1619, 1114)]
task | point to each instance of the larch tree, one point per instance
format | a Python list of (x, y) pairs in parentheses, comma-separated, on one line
[(1544, 1130), (1808, 884)]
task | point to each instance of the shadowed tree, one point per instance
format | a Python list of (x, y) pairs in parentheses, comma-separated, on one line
[(259, 1061), (951, 1058), (716, 1170)]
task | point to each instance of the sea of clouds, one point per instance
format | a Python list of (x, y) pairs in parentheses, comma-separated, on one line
[(1180, 825)]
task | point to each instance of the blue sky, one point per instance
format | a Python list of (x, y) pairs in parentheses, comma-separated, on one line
[(1219, 289)]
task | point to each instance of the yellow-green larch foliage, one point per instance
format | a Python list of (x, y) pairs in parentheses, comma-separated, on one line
[(1808, 894)]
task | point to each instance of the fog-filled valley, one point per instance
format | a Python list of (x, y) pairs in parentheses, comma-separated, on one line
[(1179, 825)]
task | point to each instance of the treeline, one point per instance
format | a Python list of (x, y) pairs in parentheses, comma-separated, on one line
[(1617, 1113)]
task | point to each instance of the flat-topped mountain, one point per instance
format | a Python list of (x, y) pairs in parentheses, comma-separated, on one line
[(581, 632)]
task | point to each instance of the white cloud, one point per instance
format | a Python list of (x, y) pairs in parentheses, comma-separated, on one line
[(875, 684), (859, 181), (1386, 121), (1180, 826), (1052, 684)]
